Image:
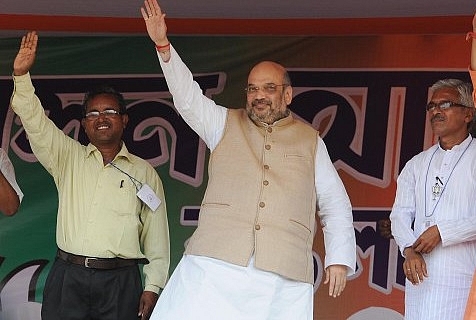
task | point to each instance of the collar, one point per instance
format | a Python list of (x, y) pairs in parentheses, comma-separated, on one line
[(123, 152), (462, 146)]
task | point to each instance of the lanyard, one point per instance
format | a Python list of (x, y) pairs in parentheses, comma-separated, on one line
[(443, 186)]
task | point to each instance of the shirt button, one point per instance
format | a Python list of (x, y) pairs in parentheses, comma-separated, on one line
[(257, 227), (269, 130), (265, 182), (267, 147), (266, 167), (261, 204)]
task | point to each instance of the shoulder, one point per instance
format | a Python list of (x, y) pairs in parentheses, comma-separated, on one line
[(139, 162), (305, 129), (422, 157)]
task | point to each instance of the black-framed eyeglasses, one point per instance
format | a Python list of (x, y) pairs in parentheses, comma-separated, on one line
[(108, 113), (443, 105), (268, 88)]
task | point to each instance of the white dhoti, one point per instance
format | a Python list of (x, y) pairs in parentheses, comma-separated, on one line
[(203, 288)]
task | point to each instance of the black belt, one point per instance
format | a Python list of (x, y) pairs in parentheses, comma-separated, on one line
[(99, 263)]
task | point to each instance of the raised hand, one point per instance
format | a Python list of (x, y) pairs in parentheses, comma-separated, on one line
[(472, 35), (155, 22), (26, 55)]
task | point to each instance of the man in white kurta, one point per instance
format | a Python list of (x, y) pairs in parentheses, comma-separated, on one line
[(10, 193), (434, 216)]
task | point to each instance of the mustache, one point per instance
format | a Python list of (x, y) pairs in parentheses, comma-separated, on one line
[(105, 122), (437, 117), (260, 101)]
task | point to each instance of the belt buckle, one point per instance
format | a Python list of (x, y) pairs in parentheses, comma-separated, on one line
[(87, 260)]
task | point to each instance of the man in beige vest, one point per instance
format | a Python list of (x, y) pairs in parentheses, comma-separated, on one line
[(251, 255)]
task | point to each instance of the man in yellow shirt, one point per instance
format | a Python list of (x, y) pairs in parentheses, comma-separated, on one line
[(104, 229)]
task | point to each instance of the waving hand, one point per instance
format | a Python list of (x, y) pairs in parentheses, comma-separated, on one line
[(26, 55)]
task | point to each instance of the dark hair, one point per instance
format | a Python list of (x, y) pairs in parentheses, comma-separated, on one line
[(108, 90)]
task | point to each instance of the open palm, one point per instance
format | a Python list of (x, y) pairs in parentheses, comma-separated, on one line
[(26, 55)]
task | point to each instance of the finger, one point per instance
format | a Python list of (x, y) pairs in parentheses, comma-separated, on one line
[(156, 7), (424, 270), (327, 277), (33, 41), (337, 284), (409, 275), (331, 280), (344, 283), (341, 286), (148, 8), (420, 248), (29, 37), (144, 14), (416, 244), (420, 274), (26, 40), (23, 41), (332, 287), (35, 38)]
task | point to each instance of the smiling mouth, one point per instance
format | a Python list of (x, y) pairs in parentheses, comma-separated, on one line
[(102, 127)]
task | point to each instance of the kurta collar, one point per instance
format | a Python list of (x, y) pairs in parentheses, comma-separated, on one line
[(458, 147)]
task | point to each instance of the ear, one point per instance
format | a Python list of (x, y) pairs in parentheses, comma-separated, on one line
[(125, 120), (470, 115), (288, 95)]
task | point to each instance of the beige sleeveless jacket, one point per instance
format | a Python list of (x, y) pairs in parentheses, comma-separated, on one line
[(261, 197)]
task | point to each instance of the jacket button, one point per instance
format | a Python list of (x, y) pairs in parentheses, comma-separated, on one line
[(261, 204), (265, 182), (257, 227)]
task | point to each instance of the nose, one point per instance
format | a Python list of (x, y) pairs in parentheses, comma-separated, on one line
[(259, 94), (101, 116)]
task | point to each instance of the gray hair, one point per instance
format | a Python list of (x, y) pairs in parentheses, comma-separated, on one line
[(465, 90)]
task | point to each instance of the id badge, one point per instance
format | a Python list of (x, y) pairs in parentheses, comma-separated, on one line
[(148, 196)]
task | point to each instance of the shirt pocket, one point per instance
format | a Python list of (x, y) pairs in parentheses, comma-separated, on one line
[(123, 202)]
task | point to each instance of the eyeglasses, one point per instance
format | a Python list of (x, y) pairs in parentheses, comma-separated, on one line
[(108, 113), (268, 88), (443, 105)]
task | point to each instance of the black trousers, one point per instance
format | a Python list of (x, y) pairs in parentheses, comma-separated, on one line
[(74, 292)]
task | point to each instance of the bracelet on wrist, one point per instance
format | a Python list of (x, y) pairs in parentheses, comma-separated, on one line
[(470, 35), (163, 48)]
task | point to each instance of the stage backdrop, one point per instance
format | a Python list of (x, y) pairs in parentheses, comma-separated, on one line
[(366, 95)]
